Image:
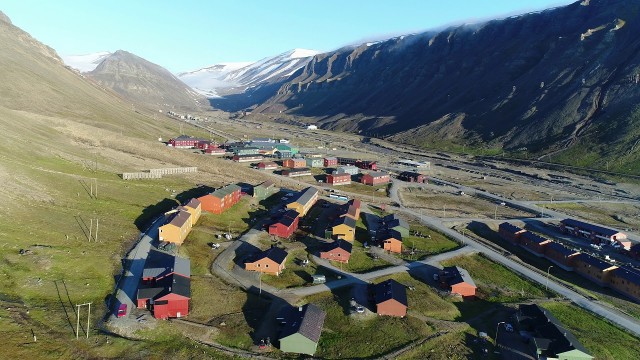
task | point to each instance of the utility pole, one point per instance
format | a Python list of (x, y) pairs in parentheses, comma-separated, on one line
[(495, 214), (90, 229), (97, 230), (96, 181), (547, 284), (78, 306)]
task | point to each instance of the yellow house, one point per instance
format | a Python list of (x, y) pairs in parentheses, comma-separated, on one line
[(344, 228), (177, 228), (194, 207), (305, 201)]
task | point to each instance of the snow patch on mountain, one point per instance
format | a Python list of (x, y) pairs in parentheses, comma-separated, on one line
[(86, 62)]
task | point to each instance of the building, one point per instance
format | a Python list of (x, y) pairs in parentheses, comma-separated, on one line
[(392, 241), (393, 222), (312, 127), (185, 142), (194, 207), (510, 232), (550, 340), (410, 176), (314, 162), (284, 141), (285, 225), (634, 251), (263, 140), (270, 261), (267, 165), (222, 199), (458, 281), (294, 163), (560, 255), (165, 286), (626, 282), (247, 158), (344, 228), (330, 161), (177, 227), (352, 209), (426, 165), (534, 243), (338, 179), (367, 164), (264, 190), (296, 172), (593, 269), (302, 329), (214, 151), (305, 200), (338, 250), (391, 298), (283, 154), (347, 169), (246, 150), (375, 178), (592, 232)]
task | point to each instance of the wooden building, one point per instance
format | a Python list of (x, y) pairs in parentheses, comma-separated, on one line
[(560, 255), (393, 222), (338, 250), (267, 165), (346, 169), (294, 163), (534, 243), (286, 225), (313, 162), (264, 190), (391, 298), (304, 201), (271, 261), (352, 209), (375, 178), (411, 176), (296, 172), (330, 161), (391, 241), (221, 199), (344, 228), (626, 282), (211, 150), (302, 327), (595, 233), (458, 281), (247, 158), (338, 179), (593, 269), (177, 227), (510, 232), (194, 207), (185, 142)]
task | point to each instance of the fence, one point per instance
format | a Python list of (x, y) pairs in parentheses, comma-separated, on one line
[(157, 173)]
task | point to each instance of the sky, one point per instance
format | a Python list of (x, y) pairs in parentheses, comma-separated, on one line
[(190, 34)]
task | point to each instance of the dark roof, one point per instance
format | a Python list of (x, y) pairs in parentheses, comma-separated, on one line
[(243, 156), (376, 174), (455, 275), (179, 285), (291, 214), (285, 220), (306, 195), (534, 237), (593, 261), (193, 203), (226, 190), (269, 163), (179, 218), (389, 233), (274, 253), (349, 221), (627, 274), (397, 223), (561, 249), (149, 292), (590, 227), (306, 320), (173, 284), (510, 227), (187, 137), (345, 245), (160, 263), (409, 174), (390, 289), (297, 170)]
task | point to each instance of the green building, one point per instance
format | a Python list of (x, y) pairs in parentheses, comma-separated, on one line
[(264, 190), (315, 162), (393, 222), (302, 329)]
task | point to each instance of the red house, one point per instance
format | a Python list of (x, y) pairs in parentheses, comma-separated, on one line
[(267, 165), (375, 178), (221, 200), (212, 150), (185, 142), (534, 243), (410, 176), (458, 281), (203, 144), (338, 250), (510, 232), (560, 255), (294, 163), (367, 164), (247, 158), (330, 161), (391, 298), (338, 179), (286, 225)]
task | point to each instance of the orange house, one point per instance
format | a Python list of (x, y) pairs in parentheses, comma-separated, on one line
[(221, 200), (177, 228), (593, 269), (294, 163), (353, 209), (510, 232), (338, 250), (626, 282), (534, 243), (392, 242), (270, 261), (458, 281), (391, 298), (194, 207)]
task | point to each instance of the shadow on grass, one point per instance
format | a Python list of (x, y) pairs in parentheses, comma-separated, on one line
[(245, 252), (255, 311), (152, 211), (196, 192)]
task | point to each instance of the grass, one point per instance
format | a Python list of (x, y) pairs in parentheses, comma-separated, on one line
[(616, 215), (451, 346), (601, 338), (375, 193), (429, 243), (294, 274)]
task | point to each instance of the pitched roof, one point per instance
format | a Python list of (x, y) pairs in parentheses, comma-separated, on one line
[(593, 261), (376, 174), (179, 218), (390, 289), (291, 214), (226, 190), (345, 245), (561, 249), (193, 203), (285, 220), (410, 174), (627, 274), (298, 170), (331, 159), (306, 320), (510, 227), (173, 284), (275, 254), (306, 195), (398, 223), (160, 263), (268, 163), (388, 234), (590, 227), (455, 275), (534, 237), (346, 220)]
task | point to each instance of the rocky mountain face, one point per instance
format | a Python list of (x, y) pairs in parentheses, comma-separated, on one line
[(143, 82), (561, 79)]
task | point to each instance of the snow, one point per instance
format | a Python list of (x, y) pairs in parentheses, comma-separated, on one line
[(302, 53), (86, 62)]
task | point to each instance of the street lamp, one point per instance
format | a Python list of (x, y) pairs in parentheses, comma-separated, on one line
[(497, 331), (547, 285)]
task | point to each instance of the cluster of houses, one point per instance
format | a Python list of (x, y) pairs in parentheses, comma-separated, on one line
[(595, 233), (188, 142), (391, 230), (179, 222), (621, 279), (257, 149), (343, 231)]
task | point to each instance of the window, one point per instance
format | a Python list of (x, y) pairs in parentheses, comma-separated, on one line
[(266, 265)]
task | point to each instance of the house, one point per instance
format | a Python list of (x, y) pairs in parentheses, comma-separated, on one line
[(185, 142), (634, 251), (160, 264), (393, 222), (347, 169), (203, 144), (305, 200), (177, 227), (246, 150), (165, 286), (338, 179), (194, 207), (352, 209), (294, 163), (595, 233), (302, 329), (560, 255), (392, 241), (214, 151), (222, 199), (458, 281), (338, 250), (391, 298), (550, 340), (270, 261), (510, 232), (375, 178), (283, 141), (314, 162), (415, 164), (346, 161), (626, 282), (593, 269), (344, 228), (330, 161), (264, 190), (285, 225), (296, 172), (283, 154), (267, 165), (534, 243), (263, 140), (247, 158), (410, 176), (312, 127), (366, 164)]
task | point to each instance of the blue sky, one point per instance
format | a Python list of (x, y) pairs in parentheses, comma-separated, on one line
[(189, 34)]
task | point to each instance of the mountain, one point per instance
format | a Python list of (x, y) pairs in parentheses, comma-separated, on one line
[(564, 82), (229, 78), (86, 62), (144, 82)]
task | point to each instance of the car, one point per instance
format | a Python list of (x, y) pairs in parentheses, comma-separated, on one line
[(360, 309), (122, 310), (508, 327), (436, 277)]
